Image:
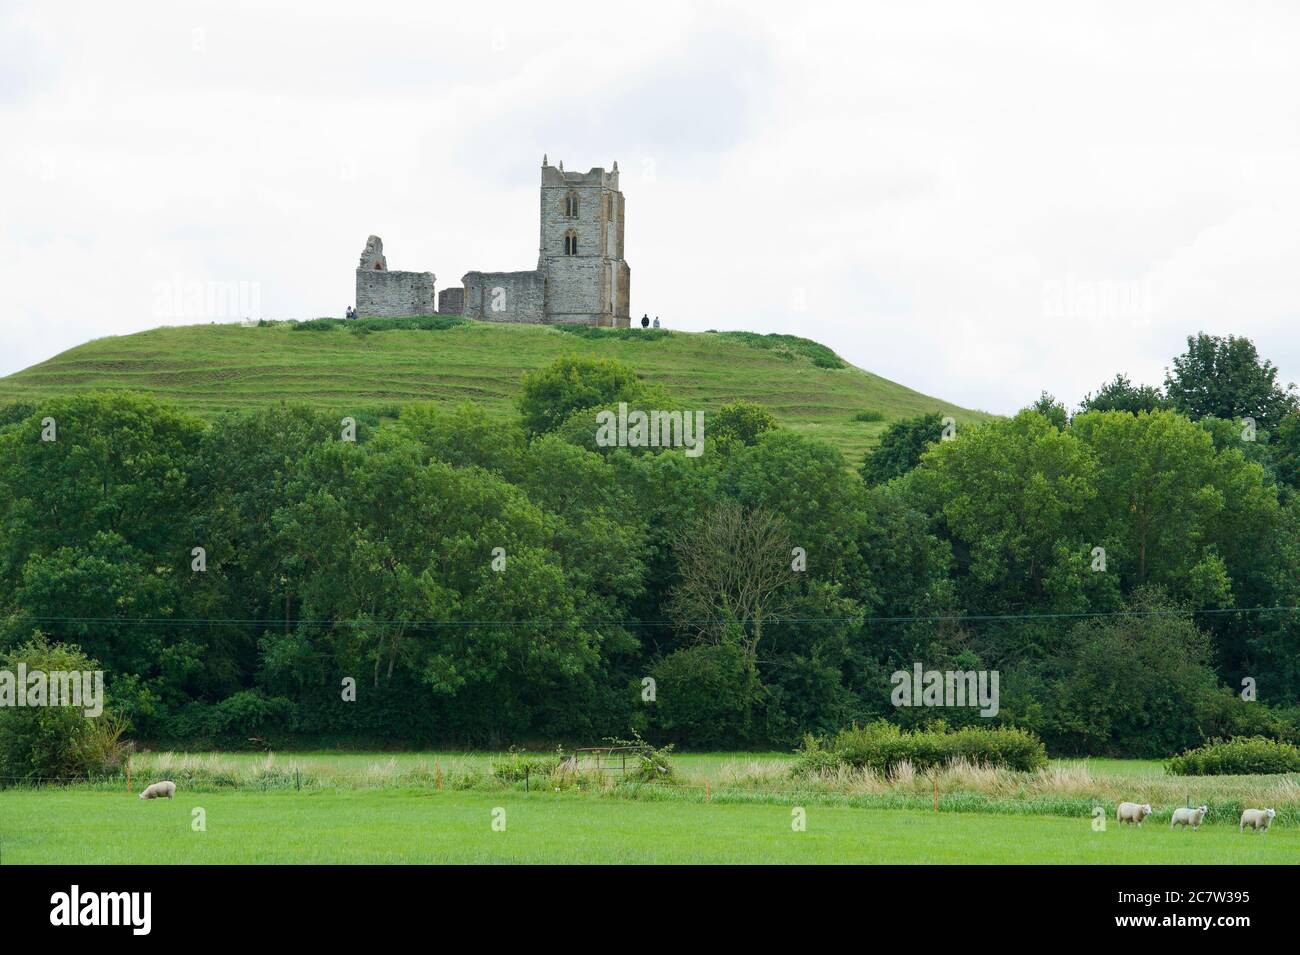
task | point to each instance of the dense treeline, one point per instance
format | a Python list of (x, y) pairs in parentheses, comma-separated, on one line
[(493, 581)]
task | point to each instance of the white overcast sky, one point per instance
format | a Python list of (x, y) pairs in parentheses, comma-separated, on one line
[(978, 200)]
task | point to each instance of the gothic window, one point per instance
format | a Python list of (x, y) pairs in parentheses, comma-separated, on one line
[(571, 243), (571, 206)]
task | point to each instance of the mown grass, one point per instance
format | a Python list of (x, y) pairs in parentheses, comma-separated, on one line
[(211, 368), (408, 825)]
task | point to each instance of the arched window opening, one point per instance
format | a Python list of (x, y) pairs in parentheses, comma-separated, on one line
[(571, 206), (570, 243)]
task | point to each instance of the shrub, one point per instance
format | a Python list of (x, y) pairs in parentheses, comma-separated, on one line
[(882, 746), (901, 447), (742, 421), (789, 347), (1240, 756), (653, 764), (241, 719), (250, 712), (40, 743), (706, 696), (1224, 715), (1135, 685), (596, 333), (519, 765), (364, 326), (869, 416)]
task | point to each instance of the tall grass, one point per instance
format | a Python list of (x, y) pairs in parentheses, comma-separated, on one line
[(1060, 789)]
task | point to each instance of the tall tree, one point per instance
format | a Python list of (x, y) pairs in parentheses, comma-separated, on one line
[(733, 568), (1227, 378)]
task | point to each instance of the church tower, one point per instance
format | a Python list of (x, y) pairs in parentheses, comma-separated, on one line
[(587, 280)]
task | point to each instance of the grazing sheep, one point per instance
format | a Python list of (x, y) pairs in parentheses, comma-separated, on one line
[(1133, 812), (166, 788), (1257, 819), (1188, 817)]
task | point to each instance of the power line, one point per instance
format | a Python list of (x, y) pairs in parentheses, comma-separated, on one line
[(541, 623)]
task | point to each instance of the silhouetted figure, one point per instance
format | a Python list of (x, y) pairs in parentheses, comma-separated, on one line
[(645, 321)]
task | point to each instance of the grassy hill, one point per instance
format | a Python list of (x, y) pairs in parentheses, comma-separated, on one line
[(210, 368)]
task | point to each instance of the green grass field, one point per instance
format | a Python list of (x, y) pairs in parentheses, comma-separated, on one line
[(211, 368), (356, 809), (93, 827)]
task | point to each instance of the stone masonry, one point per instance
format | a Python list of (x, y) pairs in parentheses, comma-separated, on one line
[(385, 294), (451, 301), (581, 275)]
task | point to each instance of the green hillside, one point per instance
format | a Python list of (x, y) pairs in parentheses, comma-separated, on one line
[(210, 368)]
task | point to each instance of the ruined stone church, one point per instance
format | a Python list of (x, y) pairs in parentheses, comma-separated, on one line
[(581, 275)]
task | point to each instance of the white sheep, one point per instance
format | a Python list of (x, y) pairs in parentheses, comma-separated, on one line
[(165, 788), (1188, 817), (1257, 819), (1133, 812)]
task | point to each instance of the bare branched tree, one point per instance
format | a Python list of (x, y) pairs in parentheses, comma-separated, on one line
[(734, 568)]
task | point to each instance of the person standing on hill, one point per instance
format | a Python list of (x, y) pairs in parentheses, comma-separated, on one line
[(645, 321)]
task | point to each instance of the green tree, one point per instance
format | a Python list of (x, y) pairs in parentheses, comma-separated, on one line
[(1227, 378), (121, 464), (568, 384), (1120, 394), (443, 576), (1051, 409), (706, 696), (742, 421), (1011, 497), (1172, 507), (1131, 685), (1286, 451), (464, 435), (901, 447)]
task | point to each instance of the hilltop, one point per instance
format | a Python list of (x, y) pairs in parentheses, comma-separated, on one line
[(380, 365)]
